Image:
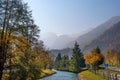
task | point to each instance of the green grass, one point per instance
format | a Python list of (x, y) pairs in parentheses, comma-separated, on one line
[(87, 75)]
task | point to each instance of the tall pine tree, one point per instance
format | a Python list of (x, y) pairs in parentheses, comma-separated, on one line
[(77, 58)]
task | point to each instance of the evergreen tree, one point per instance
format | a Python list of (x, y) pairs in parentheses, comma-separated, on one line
[(77, 58), (65, 57), (96, 50), (57, 61), (64, 63), (58, 58)]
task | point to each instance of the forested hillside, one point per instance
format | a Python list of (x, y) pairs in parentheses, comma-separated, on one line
[(87, 38), (110, 39)]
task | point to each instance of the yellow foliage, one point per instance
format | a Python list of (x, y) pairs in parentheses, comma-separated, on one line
[(92, 58), (16, 48), (112, 58), (5, 76)]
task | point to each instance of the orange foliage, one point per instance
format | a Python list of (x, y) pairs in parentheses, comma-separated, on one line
[(92, 59)]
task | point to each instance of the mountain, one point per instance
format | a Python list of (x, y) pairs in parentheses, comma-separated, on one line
[(61, 41), (65, 51), (54, 41), (49, 38), (90, 36), (110, 39)]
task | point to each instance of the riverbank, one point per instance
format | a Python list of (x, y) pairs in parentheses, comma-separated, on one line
[(67, 71), (87, 75), (82, 69), (46, 72)]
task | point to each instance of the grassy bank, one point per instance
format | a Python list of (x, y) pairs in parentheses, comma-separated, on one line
[(87, 75), (46, 72)]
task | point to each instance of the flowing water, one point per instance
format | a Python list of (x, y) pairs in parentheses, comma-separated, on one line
[(61, 75)]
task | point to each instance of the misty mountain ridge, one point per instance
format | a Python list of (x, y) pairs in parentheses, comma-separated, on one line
[(106, 35), (54, 41), (110, 39), (87, 38)]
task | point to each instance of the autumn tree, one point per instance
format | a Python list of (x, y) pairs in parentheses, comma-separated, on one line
[(94, 58), (8, 16), (112, 57), (16, 23), (25, 67), (98, 51)]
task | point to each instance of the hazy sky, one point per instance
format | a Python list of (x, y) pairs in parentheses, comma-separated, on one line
[(72, 16)]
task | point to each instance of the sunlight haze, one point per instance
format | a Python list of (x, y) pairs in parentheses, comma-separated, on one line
[(67, 17)]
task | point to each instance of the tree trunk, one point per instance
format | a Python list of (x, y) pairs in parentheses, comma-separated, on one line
[(1, 70), (1, 61)]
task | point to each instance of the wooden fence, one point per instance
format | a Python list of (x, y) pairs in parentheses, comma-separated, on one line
[(108, 76)]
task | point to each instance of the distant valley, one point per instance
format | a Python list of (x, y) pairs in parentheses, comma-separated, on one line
[(105, 36)]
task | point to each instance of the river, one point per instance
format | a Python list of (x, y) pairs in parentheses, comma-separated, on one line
[(61, 75)]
